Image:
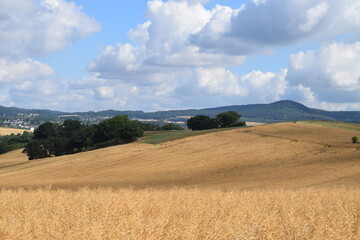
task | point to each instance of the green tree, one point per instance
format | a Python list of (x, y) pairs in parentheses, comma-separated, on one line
[(201, 122), (171, 126), (35, 150), (226, 119), (46, 130), (118, 127), (149, 126), (70, 127)]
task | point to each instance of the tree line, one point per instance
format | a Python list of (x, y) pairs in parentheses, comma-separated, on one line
[(52, 139), (14, 141), (222, 120)]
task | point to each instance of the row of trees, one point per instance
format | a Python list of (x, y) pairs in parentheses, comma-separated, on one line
[(52, 139), (222, 120), (14, 141)]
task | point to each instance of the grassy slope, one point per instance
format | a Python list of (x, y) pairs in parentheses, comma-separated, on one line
[(341, 125), (158, 137), (286, 155)]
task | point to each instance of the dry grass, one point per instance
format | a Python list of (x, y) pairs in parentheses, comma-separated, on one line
[(272, 156), (180, 214), (8, 131), (278, 181), (349, 126)]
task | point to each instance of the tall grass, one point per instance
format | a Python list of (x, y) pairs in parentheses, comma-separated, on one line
[(179, 214), (158, 137)]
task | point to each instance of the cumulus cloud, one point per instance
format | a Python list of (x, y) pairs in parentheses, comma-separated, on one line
[(265, 87), (26, 70), (161, 45), (183, 54), (219, 81), (164, 65), (327, 78), (260, 25), (105, 92), (332, 73), (34, 28), (184, 51)]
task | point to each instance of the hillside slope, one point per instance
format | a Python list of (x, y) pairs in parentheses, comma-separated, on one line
[(274, 112), (285, 155)]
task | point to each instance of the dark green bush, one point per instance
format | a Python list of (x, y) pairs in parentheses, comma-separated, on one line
[(201, 122), (222, 120), (355, 139), (171, 126)]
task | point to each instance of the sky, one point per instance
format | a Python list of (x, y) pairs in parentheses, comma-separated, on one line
[(156, 55)]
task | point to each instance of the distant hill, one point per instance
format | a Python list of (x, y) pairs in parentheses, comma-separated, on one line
[(275, 112), (288, 111)]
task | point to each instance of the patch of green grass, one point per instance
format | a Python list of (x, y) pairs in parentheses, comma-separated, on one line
[(158, 137), (348, 126)]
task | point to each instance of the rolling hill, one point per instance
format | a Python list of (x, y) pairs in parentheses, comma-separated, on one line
[(274, 112), (282, 155)]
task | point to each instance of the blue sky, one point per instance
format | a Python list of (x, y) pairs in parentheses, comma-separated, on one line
[(176, 54)]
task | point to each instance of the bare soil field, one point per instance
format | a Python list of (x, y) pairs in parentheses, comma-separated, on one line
[(8, 131), (274, 156)]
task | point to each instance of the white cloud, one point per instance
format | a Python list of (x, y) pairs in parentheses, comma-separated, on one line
[(25, 70), (161, 48), (105, 92), (219, 81), (140, 35), (334, 67), (314, 15), (255, 86), (260, 25), (328, 77), (259, 2), (182, 55), (265, 87), (306, 96), (37, 27)]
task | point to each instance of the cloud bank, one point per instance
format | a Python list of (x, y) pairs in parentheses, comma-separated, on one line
[(30, 29), (185, 52)]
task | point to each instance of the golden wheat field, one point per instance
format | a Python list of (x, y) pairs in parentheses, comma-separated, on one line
[(277, 181), (8, 131), (286, 155), (180, 214)]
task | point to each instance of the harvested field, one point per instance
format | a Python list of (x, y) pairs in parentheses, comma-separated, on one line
[(277, 181), (275, 156), (8, 131)]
